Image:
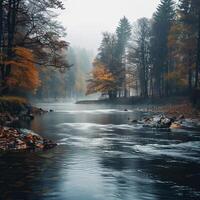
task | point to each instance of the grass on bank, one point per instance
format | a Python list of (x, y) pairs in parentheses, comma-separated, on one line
[(13, 99)]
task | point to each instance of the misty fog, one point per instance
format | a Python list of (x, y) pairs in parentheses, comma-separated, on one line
[(85, 20)]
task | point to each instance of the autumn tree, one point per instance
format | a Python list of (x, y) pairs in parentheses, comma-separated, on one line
[(32, 26), (24, 74), (107, 56), (182, 48), (102, 80), (113, 54)]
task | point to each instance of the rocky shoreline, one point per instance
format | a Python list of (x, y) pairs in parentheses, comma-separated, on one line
[(22, 140), (26, 114), (165, 122), (13, 111), (177, 109)]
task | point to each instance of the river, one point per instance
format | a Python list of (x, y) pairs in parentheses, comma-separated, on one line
[(101, 156)]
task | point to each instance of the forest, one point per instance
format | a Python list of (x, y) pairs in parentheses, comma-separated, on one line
[(157, 57), (35, 61)]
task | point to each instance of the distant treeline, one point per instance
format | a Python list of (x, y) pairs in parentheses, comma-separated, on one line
[(71, 83), (153, 57)]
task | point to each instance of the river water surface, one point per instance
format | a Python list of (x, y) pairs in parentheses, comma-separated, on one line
[(101, 156)]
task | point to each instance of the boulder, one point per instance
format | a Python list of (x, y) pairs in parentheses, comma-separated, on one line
[(166, 122), (159, 121)]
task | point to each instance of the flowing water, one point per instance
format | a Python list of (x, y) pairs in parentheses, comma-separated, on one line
[(101, 156)]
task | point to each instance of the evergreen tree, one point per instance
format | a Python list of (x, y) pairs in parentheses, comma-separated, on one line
[(162, 21), (123, 33)]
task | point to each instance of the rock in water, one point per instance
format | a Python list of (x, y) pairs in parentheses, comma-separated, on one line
[(156, 119), (166, 122), (175, 125), (159, 121)]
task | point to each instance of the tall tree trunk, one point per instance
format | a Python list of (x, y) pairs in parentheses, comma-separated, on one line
[(190, 62), (1, 40), (11, 21), (198, 55), (1, 24), (2, 47)]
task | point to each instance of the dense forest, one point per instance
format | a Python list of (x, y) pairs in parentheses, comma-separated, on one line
[(156, 57), (35, 61)]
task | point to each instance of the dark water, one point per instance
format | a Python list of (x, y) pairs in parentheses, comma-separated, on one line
[(102, 157)]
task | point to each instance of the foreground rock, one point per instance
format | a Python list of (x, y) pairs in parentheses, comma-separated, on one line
[(22, 140)]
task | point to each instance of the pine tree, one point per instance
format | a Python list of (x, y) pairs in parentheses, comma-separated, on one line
[(162, 21), (123, 33)]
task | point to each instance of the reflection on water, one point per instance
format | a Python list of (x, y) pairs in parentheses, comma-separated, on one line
[(102, 156)]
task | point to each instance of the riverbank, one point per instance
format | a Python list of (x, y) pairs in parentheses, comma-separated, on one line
[(14, 110), (118, 101), (179, 109), (172, 107)]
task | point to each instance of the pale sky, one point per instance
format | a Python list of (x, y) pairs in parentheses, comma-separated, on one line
[(85, 20)]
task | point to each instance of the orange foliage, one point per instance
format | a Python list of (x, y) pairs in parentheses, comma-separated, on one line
[(24, 74), (101, 73), (177, 76), (182, 48), (102, 79)]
